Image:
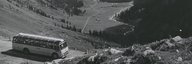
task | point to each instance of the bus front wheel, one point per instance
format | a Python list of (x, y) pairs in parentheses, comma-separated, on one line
[(26, 51), (55, 56)]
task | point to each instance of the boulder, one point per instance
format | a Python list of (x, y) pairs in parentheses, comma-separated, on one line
[(149, 59), (168, 42), (148, 51), (179, 59), (95, 59), (129, 52), (113, 51), (177, 39), (122, 60)]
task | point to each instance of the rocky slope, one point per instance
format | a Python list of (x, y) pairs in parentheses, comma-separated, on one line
[(167, 51)]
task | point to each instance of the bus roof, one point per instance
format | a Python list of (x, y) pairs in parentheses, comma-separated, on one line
[(39, 37)]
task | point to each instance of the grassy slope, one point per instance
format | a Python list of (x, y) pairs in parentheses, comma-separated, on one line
[(99, 14), (14, 20)]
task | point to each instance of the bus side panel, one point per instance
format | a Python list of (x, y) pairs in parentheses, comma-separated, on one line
[(17, 46), (20, 47), (46, 51), (33, 49)]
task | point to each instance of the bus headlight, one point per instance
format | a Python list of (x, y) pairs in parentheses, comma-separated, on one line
[(66, 53)]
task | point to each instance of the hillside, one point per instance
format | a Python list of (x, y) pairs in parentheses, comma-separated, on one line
[(42, 20), (75, 12), (56, 18), (45, 17), (101, 42), (155, 20)]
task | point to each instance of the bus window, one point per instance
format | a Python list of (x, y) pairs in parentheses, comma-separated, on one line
[(63, 45), (30, 42), (14, 39), (36, 43), (56, 47), (51, 46)]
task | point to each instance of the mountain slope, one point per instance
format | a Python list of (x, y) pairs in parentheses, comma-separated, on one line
[(16, 18), (155, 19)]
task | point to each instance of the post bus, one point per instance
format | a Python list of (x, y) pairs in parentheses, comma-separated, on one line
[(49, 46)]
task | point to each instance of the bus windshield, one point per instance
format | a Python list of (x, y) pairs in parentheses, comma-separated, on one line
[(63, 45)]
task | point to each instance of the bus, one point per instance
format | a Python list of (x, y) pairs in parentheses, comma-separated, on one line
[(43, 45)]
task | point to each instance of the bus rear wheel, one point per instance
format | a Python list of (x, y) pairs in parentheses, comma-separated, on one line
[(26, 51), (55, 56)]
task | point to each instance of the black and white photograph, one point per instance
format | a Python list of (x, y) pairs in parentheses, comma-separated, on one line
[(95, 32)]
